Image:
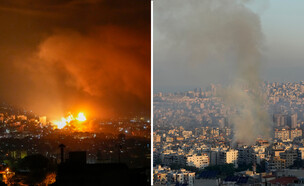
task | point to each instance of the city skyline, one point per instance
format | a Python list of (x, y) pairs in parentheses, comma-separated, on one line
[(196, 138), (228, 92), (75, 92)]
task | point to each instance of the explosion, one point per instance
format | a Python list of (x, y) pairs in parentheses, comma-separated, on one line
[(66, 121), (81, 117)]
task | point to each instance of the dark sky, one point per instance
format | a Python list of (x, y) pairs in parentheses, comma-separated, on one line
[(76, 55)]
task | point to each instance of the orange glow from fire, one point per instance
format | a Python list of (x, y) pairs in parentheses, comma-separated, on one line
[(81, 117), (65, 121)]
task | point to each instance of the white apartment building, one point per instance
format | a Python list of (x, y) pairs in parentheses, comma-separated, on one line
[(198, 161), (232, 157)]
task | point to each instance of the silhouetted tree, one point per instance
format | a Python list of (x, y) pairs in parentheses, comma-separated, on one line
[(38, 166), (224, 170)]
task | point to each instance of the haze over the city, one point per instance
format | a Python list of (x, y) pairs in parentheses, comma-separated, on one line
[(189, 52)]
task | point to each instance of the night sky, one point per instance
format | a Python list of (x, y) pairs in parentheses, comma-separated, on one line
[(67, 56)]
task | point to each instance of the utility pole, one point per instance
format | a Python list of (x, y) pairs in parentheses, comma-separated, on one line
[(62, 146)]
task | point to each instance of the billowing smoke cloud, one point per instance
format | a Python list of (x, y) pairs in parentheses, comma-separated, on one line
[(70, 56), (251, 120), (101, 66), (206, 32)]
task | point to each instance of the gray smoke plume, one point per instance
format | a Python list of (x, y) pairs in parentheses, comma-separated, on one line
[(251, 120), (210, 31)]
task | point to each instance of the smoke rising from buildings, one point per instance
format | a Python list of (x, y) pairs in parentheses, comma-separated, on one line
[(223, 32)]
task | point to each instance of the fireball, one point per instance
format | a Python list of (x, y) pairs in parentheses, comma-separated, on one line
[(81, 117), (60, 124)]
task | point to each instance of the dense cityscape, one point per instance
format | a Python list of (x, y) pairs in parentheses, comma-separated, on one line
[(24, 135), (194, 139)]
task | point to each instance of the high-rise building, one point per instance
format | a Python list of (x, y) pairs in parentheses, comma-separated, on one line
[(293, 120), (294, 133), (282, 134), (228, 156), (289, 156), (281, 120), (276, 163), (232, 157), (198, 161), (245, 155)]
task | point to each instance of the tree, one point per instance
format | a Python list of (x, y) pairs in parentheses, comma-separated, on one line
[(298, 163), (39, 168), (224, 170)]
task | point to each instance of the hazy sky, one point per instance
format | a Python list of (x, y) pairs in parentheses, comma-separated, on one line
[(187, 53), (59, 56)]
